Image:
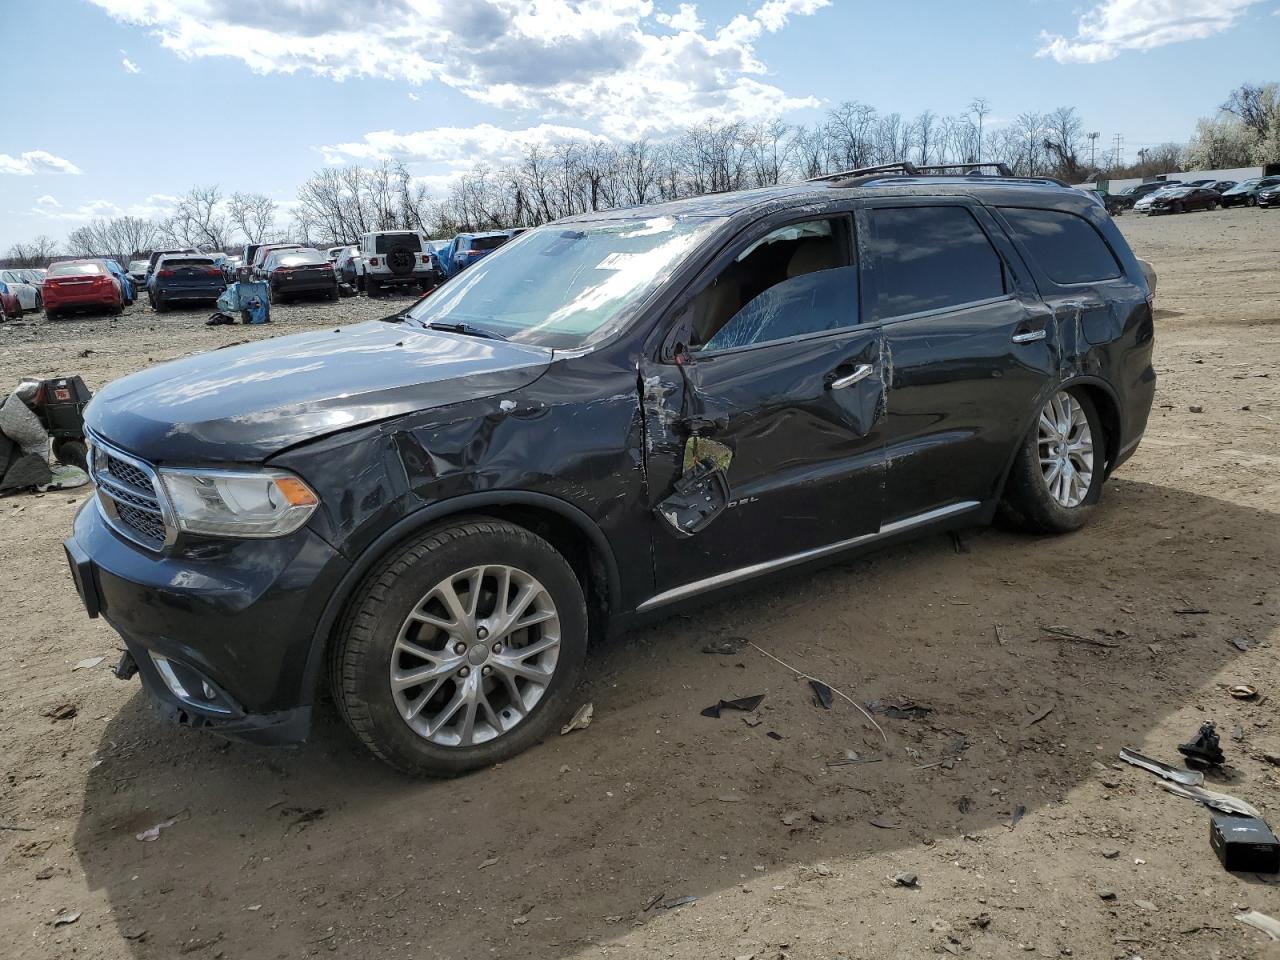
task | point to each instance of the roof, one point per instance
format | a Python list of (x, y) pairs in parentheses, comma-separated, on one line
[(1007, 191)]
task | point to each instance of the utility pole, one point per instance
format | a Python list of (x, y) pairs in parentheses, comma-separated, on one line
[(1093, 140), (1117, 149)]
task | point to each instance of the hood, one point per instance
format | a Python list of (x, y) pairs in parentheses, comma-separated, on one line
[(246, 403)]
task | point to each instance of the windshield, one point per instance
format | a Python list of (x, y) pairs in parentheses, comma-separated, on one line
[(298, 258), (565, 286), (75, 269)]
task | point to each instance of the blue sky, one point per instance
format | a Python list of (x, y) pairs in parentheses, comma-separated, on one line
[(136, 100)]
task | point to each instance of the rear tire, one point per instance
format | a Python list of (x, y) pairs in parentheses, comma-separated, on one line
[(71, 452), (397, 626), (158, 304), (372, 287), (1041, 499)]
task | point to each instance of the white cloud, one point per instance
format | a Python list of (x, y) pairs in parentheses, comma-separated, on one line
[(460, 148), (1114, 26), (33, 162), (413, 97), (128, 64), (613, 63), (153, 207)]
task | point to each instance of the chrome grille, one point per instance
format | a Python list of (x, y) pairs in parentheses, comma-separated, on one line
[(128, 494)]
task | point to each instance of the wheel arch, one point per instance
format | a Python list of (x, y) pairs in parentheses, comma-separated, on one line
[(566, 527)]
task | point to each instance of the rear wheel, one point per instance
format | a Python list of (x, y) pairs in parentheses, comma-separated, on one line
[(1057, 477), (158, 304), (461, 649), (373, 286)]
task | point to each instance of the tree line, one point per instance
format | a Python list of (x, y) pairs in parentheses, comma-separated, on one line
[(550, 181)]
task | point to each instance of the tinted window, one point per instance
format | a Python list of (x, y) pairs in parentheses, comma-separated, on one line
[(930, 258), (488, 243), (298, 258), (386, 242), (170, 262), (1068, 248)]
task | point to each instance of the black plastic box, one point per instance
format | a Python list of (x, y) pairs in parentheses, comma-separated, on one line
[(1244, 844)]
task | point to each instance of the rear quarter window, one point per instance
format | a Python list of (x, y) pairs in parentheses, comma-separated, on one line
[(1066, 247)]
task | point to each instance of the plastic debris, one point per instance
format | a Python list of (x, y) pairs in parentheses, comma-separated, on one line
[(1268, 925), (1186, 777), (822, 693), (905, 879), (63, 711), (726, 646), (676, 902), (1205, 750), (744, 704), (66, 917), (900, 709), (153, 833), (1211, 798), (88, 663), (840, 693), (580, 720), (1243, 691)]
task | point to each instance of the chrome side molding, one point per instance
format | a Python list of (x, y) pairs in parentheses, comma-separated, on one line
[(756, 569)]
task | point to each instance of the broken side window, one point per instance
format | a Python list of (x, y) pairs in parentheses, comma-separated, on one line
[(796, 280)]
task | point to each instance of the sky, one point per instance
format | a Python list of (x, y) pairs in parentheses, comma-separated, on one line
[(117, 106)]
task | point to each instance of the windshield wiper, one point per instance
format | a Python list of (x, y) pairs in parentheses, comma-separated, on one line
[(466, 329)]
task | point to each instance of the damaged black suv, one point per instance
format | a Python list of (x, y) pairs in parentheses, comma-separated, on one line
[(608, 416)]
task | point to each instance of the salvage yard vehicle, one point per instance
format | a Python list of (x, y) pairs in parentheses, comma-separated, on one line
[(138, 273), (259, 258), (609, 417), (10, 305), (1183, 200), (1245, 193), (28, 293), (350, 267), (398, 258), (79, 285), (1128, 199), (1269, 197), (293, 273), (466, 248), (184, 278), (154, 258)]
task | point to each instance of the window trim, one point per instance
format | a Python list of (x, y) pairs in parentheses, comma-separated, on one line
[(1025, 252), (1009, 276), (729, 252)]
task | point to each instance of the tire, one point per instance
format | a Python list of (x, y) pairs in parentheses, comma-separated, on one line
[(372, 287), (48, 315), (368, 647), (332, 295), (71, 452), (1029, 500), (157, 303)]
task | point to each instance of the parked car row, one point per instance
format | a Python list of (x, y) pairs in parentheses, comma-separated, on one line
[(1176, 196), (389, 259)]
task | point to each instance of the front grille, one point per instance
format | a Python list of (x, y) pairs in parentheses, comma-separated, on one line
[(129, 494)]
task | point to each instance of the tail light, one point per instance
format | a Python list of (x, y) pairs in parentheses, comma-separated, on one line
[(213, 271), (165, 273), (373, 261)]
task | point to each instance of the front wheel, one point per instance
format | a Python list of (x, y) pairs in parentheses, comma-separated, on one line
[(461, 649), (1057, 477)]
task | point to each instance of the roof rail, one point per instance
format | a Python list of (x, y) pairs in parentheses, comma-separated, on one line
[(863, 175)]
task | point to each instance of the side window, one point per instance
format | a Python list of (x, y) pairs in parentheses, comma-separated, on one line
[(795, 280), (1068, 248), (930, 258)]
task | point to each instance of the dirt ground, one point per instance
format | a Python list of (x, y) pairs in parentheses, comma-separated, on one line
[(1014, 841)]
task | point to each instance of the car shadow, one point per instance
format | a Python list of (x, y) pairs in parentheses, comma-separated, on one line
[(559, 851)]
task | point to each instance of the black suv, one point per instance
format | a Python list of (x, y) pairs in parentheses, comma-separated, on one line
[(605, 418)]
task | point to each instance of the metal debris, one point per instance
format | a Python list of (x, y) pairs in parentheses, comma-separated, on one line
[(1211, 798), (1188, 778), (1268, 925), (822, 693)]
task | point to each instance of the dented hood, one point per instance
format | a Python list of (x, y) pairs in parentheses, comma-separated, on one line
[(248, 402)]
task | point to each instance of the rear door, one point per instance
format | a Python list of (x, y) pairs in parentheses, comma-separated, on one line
[(967, 345), (783, 379)]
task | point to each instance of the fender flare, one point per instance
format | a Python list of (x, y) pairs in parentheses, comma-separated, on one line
[(1085, 380), (424, 517)]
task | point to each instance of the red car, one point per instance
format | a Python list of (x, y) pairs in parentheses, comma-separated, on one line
[(10, 308), (76, 284)]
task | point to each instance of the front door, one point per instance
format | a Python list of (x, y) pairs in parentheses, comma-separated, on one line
[(782, 384)]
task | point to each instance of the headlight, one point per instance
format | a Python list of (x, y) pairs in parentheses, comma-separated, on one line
[(238, 503)]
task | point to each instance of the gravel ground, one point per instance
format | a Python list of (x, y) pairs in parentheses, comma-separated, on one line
[(1030, 841)]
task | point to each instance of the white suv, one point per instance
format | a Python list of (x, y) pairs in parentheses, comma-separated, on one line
[(398, 258)]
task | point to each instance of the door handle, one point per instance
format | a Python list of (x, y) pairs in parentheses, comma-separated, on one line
[(861, 372), (1029, 336)]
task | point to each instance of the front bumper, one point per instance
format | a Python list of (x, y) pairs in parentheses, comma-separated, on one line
[(231, 623)]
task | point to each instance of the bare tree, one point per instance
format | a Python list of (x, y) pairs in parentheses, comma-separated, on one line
[(979, 108), (36, 252), (197, 220), (253, 214)]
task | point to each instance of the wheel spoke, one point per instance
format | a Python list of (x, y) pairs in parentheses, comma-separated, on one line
[(414, 678), (447, 595), (517, 668), (450, 709)]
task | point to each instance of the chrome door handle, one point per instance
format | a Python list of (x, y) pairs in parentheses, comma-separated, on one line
[(861, 373), (1031, 336)]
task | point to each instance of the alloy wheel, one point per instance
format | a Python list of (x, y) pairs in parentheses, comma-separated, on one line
[(475, 655), (1065, 445)]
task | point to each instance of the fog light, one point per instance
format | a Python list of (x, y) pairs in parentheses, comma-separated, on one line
[(188, 686)]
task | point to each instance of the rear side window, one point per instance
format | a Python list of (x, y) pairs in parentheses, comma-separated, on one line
[(386, 242), (1068, 248), (488, 243), (930, 258)]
